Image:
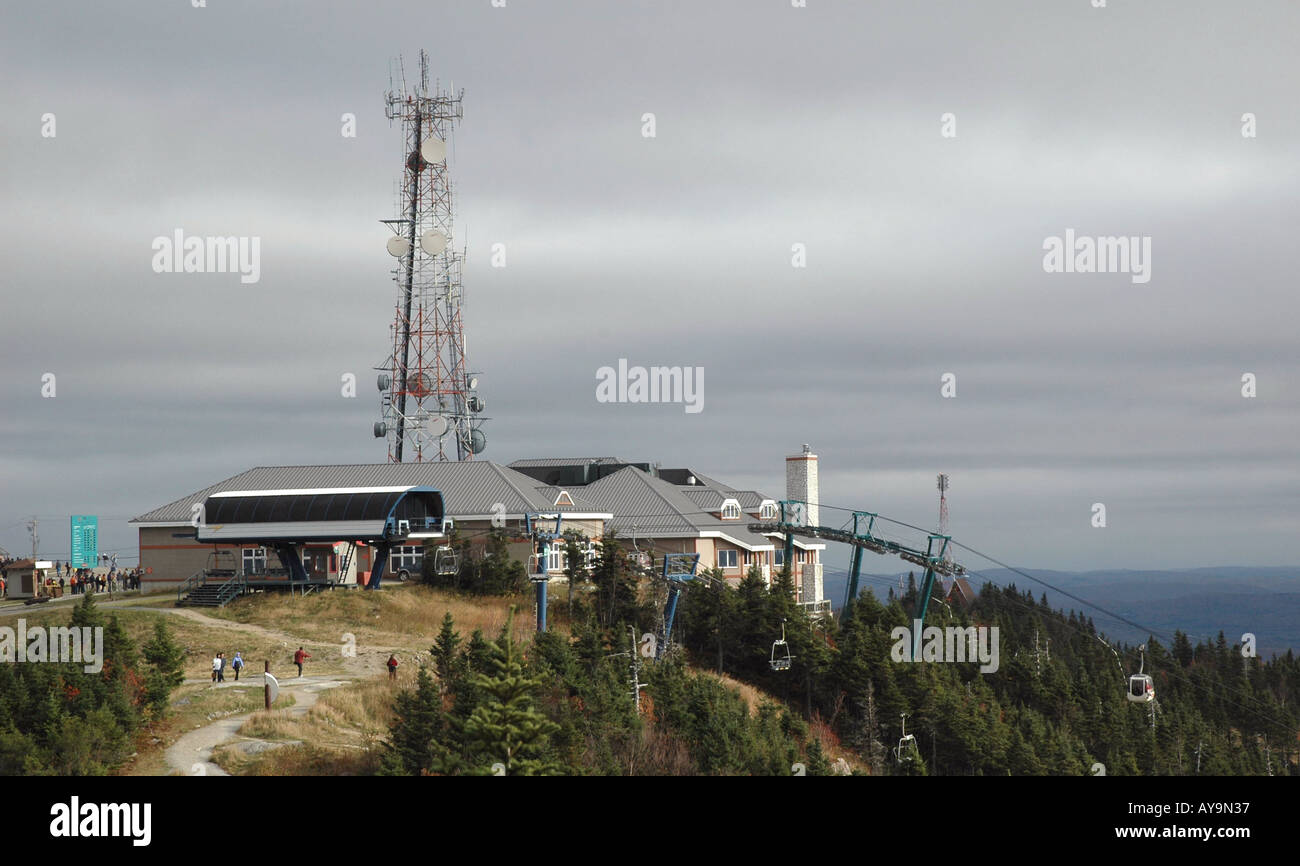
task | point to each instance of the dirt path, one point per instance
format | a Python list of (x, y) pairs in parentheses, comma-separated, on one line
[(192, 753)]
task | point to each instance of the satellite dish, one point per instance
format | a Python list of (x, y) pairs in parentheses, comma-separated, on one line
[(433, 149), (274, 684), (384, 381), (477, 441), (381, 429), (433, 242), (398, 247), (438, 426), (419, 384), (472, 382), (475, 404)]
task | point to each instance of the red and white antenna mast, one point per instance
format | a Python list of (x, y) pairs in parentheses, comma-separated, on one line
[(431, 408), (943, 514)]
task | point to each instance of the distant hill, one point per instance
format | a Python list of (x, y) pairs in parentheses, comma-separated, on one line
[(1198, 601)]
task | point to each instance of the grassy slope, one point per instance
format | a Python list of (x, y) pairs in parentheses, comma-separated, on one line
[(341, 733)]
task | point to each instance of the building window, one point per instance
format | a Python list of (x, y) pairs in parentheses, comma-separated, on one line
[(557, 559), (767, 511), (778, 557), (254, 560), (731, 510), (727, 559), (407, 557)]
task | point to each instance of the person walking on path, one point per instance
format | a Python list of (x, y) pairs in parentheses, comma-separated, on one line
[(392, 667), (298, 658), (216, 666), (237, 664)]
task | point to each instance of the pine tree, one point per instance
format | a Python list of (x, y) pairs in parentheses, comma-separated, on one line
[(416, 735), (866, 737), (505, 728), (576, 566), (616, 586), (166, 667), (445, 648)]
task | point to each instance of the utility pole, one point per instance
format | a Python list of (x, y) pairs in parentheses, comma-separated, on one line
[(36, 539)]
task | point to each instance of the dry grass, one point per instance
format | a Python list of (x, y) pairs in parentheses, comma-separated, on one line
[(408, 615), (342, 734), (192, 707), (751, 695), (201, 642)]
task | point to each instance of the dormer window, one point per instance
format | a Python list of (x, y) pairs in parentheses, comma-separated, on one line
[(563, 499), (767, 511), (731, 510)]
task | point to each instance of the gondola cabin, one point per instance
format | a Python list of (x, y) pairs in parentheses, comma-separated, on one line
[(1140, 689)]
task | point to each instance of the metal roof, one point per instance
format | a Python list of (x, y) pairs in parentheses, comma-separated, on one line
[(566, 461), (468, 488), (580, 504), (647, 506)]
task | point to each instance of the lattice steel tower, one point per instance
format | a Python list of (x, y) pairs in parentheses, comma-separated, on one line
[(943, 512), (431, 408)]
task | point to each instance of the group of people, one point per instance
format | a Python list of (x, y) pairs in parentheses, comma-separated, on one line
[(79, 581), (219, 666), (82, 580), (237, 664)]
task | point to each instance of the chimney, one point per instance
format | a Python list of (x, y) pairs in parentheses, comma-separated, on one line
[(801, 482)]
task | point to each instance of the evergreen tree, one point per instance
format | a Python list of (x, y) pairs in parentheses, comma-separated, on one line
[(166, 662), (616, 585), (416, 734), (445, 652), (505, 728)]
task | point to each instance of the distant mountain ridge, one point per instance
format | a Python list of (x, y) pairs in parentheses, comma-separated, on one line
[(1198, 601)]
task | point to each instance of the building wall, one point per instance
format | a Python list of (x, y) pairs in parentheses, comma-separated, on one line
[(172, 560)]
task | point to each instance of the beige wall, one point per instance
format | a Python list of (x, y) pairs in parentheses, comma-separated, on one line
[(171, 559)]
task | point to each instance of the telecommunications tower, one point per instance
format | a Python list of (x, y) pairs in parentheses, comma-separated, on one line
[(429, 401), (943, 513)]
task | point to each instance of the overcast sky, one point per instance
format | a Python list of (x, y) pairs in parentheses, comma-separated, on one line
[(774, 126)]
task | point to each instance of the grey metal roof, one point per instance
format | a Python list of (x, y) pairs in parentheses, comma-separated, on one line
[(702, 480), (709, 500), (580, 504), (648, 506), (749, 500), (468, 487), (566, 461)]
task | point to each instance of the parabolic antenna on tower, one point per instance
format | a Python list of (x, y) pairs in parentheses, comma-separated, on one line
[(433, 149), (433, 242), (398, 247)]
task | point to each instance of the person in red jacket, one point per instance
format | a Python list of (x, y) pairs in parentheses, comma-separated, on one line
[(298, 659), (392, 667)]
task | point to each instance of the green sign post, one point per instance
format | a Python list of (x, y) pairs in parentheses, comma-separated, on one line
[(85, 541)]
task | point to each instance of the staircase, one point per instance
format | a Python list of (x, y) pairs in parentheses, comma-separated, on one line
[(201, 591)]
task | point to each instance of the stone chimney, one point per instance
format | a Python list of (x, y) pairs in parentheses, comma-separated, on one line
[(801, 482)]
